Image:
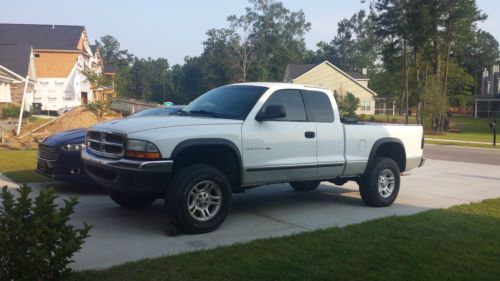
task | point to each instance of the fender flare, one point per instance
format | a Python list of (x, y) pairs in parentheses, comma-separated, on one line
[(380, 142), (186, 144)]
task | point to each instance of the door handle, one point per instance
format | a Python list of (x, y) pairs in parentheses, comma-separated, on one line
[(310, 135)]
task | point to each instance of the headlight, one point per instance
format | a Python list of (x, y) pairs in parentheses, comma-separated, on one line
[(73, 147), (142, 150)]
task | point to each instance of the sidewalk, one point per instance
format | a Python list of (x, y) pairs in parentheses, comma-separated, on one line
[(5, 181)]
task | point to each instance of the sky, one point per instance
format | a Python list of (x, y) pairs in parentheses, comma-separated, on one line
[(174, 29)]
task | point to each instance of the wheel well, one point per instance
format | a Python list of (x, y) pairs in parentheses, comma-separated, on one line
[(394, 151), (219, 156)]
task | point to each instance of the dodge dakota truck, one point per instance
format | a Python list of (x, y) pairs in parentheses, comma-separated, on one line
[(241, 136)]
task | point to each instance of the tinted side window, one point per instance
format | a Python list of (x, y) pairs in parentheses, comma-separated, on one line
[(293, 103), (319, 105)]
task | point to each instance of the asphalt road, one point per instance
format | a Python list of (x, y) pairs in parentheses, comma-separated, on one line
[(121, 235), (462, 154)]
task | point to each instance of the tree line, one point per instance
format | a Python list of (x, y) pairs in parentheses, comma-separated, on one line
[(426, 54)]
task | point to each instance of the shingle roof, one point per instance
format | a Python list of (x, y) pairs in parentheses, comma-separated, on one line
[(357, 75), (295, 70), (16, 57), (47, 37)]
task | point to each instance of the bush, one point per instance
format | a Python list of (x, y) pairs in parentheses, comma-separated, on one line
[(99, 108), (11, 110), (36, 239)]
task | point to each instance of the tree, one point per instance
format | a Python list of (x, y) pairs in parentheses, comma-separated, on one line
[(111, 52), (432, 33), (354, 47), (347, 104), (271, 36)]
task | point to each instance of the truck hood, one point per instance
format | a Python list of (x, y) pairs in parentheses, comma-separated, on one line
[(133, 125)]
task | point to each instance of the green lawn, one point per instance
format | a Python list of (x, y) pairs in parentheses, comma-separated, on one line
[(471, 129), (461, 243), (451, 142), (20, 165)]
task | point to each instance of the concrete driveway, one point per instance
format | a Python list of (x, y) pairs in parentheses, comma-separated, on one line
[(121, 235)]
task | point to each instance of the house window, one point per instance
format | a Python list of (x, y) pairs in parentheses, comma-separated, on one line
[(5, 92), (44, 83), (365, 105), (58, 83)]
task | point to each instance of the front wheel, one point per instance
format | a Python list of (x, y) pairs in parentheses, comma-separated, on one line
[(198, 199), (379, 187), (305, 186), (131, 200)]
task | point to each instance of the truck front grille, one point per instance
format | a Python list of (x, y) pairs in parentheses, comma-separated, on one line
[(47, 152), (106, 144)]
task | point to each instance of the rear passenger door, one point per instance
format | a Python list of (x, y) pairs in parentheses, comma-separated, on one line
[(329, 134)]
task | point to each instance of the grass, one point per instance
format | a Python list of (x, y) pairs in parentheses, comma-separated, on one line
[(20, 165), (460, 243), (399, 119), (469, 129), (451, 142)]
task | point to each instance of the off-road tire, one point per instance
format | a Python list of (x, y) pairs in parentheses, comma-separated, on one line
[(178, 194), (369, 183)]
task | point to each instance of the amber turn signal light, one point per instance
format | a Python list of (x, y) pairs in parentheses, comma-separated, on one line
[(143, 155)]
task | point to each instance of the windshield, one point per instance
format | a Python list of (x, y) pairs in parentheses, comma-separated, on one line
[(231, 102)]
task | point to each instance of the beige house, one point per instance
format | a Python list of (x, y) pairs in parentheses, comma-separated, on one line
[(329, 76)]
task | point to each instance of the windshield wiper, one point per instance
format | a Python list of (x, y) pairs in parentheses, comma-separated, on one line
[(204, 112)]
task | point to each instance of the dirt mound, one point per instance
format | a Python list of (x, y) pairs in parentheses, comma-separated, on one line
[(79, 117)]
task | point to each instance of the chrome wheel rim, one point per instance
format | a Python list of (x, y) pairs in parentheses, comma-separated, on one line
[(386, 183), (204, 200)]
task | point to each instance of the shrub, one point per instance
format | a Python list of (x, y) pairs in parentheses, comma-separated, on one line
[(99, 108), (373, 119), (36, 239), (11, 110)]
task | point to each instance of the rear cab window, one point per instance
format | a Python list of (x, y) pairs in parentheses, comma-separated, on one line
[(319, 106)]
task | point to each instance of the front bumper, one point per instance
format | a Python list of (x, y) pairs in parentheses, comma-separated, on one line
[(128, 175), (67, 170)]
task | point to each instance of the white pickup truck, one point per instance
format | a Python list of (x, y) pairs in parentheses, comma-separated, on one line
[(242, 136)]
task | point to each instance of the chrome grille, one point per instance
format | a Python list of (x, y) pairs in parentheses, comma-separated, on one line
[(47, 152), (107, 144)]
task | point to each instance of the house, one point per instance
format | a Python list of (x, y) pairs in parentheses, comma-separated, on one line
[(17, 72), (108, 71), (487, 101), (329, 76), (61, 53)]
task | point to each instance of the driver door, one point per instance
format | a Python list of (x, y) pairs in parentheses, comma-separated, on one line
[(280, 149)]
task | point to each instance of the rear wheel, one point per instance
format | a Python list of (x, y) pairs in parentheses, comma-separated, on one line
[(199, 199), (379, 187), (131, 200), (305, 186)]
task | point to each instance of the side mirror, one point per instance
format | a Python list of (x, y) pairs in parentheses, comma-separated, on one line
[(350, 120), (271, 112)]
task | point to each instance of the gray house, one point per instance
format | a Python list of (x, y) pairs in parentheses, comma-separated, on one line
[(487, 101)]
